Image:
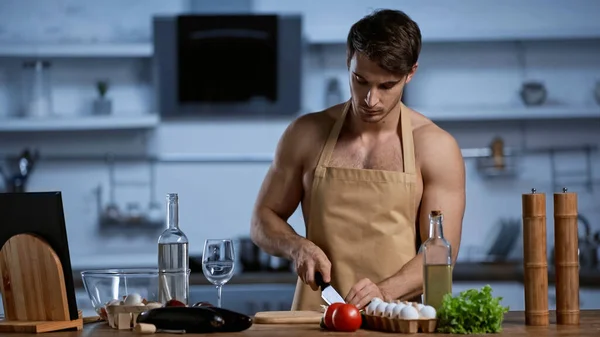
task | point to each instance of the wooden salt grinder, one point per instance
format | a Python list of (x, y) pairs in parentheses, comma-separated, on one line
[(566, 259), (535, 261)]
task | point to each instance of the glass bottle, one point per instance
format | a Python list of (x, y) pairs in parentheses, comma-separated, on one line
[(37, 96), (437, 263), (173, 257)]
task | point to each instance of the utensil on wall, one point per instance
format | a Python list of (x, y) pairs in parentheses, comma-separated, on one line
[(16, 182)]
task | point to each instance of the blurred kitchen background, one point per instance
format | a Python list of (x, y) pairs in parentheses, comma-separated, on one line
[(88, 107)]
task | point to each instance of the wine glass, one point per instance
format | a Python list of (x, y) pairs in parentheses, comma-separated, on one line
[(218, 261)]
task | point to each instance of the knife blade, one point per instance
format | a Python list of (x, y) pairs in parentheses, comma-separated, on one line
[(328, 292)]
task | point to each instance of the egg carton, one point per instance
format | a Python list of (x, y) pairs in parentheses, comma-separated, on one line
[(124, 317), (400, 325)]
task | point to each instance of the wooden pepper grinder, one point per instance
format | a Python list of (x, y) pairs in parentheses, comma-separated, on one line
[(535, 261), (566, 259)]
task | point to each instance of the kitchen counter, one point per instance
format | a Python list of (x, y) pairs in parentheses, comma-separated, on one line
[(463, 271), (513, 326)]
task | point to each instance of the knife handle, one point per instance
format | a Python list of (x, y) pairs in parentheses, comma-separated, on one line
[(319, 281)]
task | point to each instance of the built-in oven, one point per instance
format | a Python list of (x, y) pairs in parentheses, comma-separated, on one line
[(228, 65)]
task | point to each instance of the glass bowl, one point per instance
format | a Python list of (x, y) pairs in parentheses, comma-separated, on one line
[(105, 285)]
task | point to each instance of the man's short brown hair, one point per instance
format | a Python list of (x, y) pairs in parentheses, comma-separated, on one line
[(387, 37)]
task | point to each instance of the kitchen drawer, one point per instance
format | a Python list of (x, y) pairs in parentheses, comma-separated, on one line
[(589, 298), (247, 299), (84, 303), (512, 293)]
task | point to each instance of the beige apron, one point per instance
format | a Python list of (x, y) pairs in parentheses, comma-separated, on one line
[(364, 220)]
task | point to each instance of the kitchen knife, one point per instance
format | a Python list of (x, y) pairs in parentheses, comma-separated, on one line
[(328, 293)]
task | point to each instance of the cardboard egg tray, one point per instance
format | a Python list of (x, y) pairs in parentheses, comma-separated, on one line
[(124, 317), (400, 325)]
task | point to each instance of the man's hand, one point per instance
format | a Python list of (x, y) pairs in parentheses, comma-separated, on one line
[(363, 292), (308, 260)]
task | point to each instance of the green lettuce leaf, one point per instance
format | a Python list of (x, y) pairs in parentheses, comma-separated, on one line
[(473, 311)]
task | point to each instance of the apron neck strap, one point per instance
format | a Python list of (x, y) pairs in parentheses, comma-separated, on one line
[(408, 146), (333, 136), (408, 149)]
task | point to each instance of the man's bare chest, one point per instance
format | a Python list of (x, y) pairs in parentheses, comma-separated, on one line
[(387, 157)]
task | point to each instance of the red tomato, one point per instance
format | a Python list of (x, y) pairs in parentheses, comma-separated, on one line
[(329, 314), (347, 318)]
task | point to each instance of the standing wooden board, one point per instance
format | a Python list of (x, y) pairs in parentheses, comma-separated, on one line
[(40, 214)]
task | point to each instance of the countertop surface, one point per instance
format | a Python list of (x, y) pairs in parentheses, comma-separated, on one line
[(513, 326), (463, 272)]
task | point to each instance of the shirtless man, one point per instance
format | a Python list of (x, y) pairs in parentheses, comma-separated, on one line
[(367, 173)]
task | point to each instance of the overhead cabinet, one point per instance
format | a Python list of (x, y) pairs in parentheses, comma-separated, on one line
[(451, 20)]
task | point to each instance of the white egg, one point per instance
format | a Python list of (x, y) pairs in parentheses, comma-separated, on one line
[(409, 312), (419, 306), (376, 299), (380, 309), (427, 311), (389, 310), (397, 310), (371, 308), (133, 299)]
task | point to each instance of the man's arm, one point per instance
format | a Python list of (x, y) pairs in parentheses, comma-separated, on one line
[(280, 195), (443, 171)]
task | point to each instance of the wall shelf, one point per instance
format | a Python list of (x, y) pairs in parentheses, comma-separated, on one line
[(84, 123), (471, 113), (76, 50)]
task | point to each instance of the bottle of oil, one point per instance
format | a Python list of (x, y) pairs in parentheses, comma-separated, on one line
[(173, 257), (437, 263)]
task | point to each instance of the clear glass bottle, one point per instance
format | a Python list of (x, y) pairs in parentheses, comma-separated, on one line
[(37, 96), (173, 257), (437, 263)]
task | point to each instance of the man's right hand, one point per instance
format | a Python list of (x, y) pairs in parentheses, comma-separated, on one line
[(308, 260)]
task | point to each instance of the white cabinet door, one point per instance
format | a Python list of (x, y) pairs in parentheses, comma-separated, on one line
[(329, 21), (511, 292), (247, 299), (589, 298)]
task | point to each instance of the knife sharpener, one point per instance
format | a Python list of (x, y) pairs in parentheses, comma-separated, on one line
[(35, 267)]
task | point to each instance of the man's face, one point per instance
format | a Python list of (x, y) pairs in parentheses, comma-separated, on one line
[(375, 91)]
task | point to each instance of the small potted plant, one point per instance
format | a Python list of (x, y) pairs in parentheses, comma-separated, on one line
[(102, 104)]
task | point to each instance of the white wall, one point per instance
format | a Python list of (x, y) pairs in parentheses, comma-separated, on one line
[(216, 200)]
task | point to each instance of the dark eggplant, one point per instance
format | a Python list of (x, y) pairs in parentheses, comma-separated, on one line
[(234, 321), (190, 319), (196, 319)]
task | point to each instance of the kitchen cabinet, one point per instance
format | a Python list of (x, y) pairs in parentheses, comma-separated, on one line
[(468, 20), (247, 299), (589, 298), (512, 293)]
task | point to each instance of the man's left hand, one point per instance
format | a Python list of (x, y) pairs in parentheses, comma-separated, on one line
[(363, 292)]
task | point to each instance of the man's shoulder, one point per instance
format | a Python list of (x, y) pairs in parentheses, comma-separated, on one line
[(432, 143), (307, 133), (314, 125)]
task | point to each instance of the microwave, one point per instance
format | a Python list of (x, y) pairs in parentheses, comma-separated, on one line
[(227, 65)]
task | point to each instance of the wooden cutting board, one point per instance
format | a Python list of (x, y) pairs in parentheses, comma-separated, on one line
[(288, 317)]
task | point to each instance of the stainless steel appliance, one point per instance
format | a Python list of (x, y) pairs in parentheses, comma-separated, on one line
[(228, 65)]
